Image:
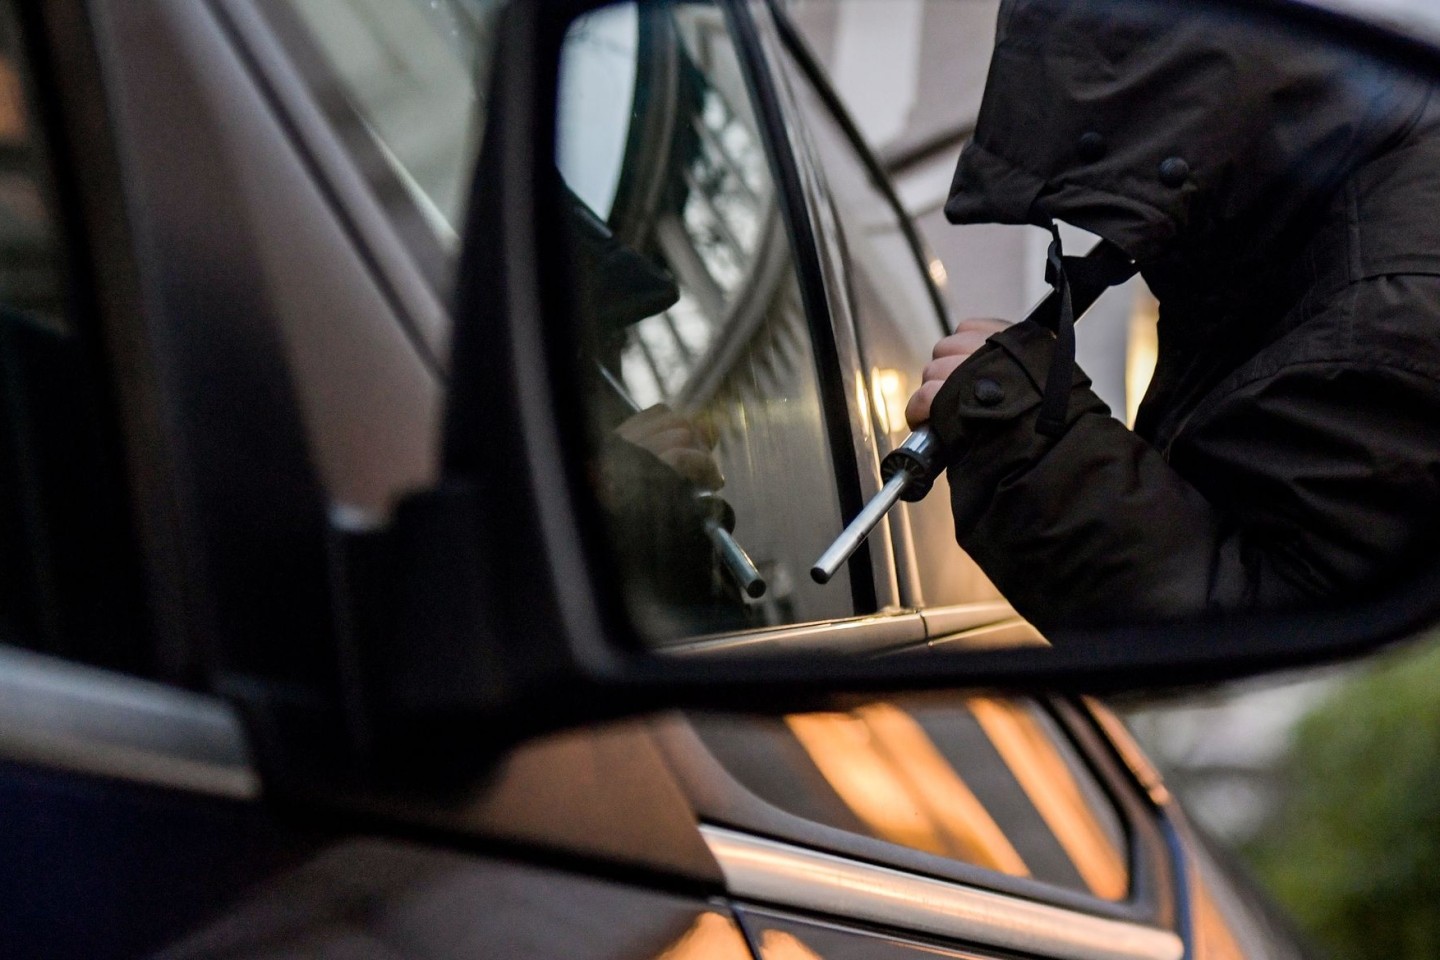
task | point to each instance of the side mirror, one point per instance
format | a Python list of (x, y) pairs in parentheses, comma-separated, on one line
[(664, 405)]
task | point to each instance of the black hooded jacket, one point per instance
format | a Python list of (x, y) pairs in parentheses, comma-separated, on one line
[(1282, 199)]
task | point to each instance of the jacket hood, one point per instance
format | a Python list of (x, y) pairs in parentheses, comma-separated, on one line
[(1164, 128)]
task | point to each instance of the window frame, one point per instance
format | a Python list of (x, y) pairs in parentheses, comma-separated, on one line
[(1155, 896), (791, 187), (975, 624), (344, 122), (894, 624)]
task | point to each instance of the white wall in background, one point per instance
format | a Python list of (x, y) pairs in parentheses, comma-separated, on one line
[(870, 39)]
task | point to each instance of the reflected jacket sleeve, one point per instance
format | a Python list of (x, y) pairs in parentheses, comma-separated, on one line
[(1301, 482)]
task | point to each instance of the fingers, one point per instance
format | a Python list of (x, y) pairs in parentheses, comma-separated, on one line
[(917, 411), (663, 425), (645, 422), (694, 465), (675, 438), (970, 335), (986, 325), (679, 443), (942, 368)]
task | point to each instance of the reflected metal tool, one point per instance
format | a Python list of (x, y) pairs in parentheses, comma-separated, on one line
[(719, 521), (719, 517), (909, 471)]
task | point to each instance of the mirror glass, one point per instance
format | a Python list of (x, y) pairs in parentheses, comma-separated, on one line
[(1229, 405), (707, 419)]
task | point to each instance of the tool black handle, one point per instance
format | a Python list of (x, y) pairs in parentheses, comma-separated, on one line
[(919, 455)]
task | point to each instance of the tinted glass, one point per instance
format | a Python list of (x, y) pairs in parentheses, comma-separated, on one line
[(68, 578), (990, 782), (403, 83), (706, 407)]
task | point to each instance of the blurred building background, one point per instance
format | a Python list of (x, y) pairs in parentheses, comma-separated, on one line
[(912, 73), (1326, 783)]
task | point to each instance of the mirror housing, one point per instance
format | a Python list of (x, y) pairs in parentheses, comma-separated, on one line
[(489, 609)]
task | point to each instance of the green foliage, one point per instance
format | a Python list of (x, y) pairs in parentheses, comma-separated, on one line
[(1354, 851)]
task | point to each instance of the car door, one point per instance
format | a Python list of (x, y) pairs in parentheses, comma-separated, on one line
[(140, 813), (985, 800), (129, 800)]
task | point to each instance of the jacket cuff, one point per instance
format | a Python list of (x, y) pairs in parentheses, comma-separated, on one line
[(1002, 381), (985, 417)]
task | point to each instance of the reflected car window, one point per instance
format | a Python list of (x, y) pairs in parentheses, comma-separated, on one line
[(989, 782), (705, 403), (898, 325)]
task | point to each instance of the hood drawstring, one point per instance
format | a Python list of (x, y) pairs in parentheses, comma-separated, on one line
[(1061, 271)]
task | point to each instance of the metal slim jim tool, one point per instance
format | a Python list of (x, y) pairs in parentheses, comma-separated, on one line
[(719, 517), (909, 471)]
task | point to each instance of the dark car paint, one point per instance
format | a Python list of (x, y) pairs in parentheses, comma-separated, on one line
[(382, 899), (778, 935), (99, 868), (245, 260)]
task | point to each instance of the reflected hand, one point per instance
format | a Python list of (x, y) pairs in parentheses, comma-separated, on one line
[(681, 444), (949, 353)]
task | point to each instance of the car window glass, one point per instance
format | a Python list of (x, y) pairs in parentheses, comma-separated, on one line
[(29, 267), (705, 404), (986, 781), (898, 324), (403, 84), (69, 583)]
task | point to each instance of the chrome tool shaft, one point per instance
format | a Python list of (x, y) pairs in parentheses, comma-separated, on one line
[(850, 539)]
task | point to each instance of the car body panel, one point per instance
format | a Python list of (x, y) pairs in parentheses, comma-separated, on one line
[(297, 353)]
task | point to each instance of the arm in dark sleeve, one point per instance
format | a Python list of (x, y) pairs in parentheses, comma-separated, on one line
[(1302, 485), (657, 528)]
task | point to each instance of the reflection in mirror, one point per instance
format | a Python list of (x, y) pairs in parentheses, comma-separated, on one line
[(711, 458), (891, 302), (1272, 188), (1279, 453)]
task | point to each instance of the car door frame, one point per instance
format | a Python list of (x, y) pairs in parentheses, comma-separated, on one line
[(773, 859)]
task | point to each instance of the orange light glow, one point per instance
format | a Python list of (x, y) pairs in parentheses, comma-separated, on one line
[(1142, 349), (891, 390), (779, 945), (1053, 790), (1213, 939), (886, 769), (843, 749), (712, 936), (938, 272), (1130, 752)]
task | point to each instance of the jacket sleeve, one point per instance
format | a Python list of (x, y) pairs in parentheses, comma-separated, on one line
[(1303, 484)]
